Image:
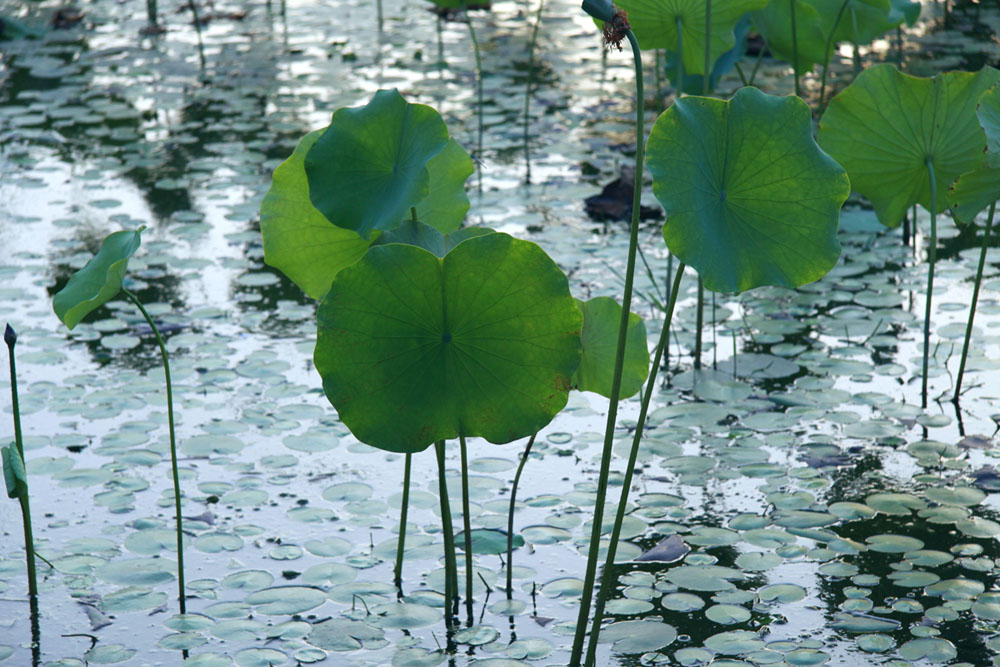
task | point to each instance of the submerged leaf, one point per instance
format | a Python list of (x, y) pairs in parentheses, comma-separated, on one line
[(750, 198), (99, 281)]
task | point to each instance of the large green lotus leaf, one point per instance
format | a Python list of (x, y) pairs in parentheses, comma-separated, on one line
[(99, 281), (886, 125), (414, 349), (750, 198), (988, 114), (601, 319), (446, 203), (973, 192), (861, 22), (654, 23), (774, 22), (298, 240), (370, 166)]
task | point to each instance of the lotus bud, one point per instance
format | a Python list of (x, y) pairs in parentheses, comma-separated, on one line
[(602, 10), (9, 336)]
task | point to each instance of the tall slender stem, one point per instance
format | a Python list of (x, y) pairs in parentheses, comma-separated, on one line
[(756, 64), (173, 448), (975, 300), (795, 49), (466, 528), (931, 258), (705, 83), (699, 323), (527, 90), (616, 382), (151, 12), (510, 515), (10, 337), (401, 543), (450, 569), (607, 576), (479, 103), (827, 54)]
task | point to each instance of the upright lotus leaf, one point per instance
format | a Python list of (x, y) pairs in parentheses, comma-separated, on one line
[(601, 318), (988, 114), (774, 22), (973, 192), (99, 281), (695, 83), (370, 166), (750, 198), (446, 203), (904, 10), (976, 190), (655, 24), (413, 349), (860, 23), (886, 126), (299, 240)]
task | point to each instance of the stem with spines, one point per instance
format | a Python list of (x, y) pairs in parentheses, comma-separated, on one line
[(466, 527), (173, 448), (975, 300), (510, 515), (401, 543), (931, 258), (447, 530), (607, 577), (616, 382)]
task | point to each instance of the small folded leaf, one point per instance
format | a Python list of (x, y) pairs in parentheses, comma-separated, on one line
[(601, 319), (988, 114), (99, 281), (973, 192), (298, 240), (370, 165), (14, 474)]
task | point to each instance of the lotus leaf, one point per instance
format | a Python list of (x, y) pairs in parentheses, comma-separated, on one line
[(99, 281), (370, 166), (14, 474), (298, 240), (750, 198), (414, 349), (601, 318), (656, 22), (886, 127)]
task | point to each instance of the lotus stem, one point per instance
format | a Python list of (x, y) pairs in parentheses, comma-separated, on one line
[(705, 83), (401, 543), (151, 12), (197, 29), (527, 90), (607, 576), (616, 382), (466, 528), (699, 323), (10, 338), (173, 448), (510, 516), (931, 258), (826, 61), (679, 67), (756, 65), (450, 569), (975, 300), (795, 50), (479, 103)]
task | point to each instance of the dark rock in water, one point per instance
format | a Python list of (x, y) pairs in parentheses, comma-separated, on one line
[(452, 13), (668, 550), (827, 460), (615, 201), (975, 442)]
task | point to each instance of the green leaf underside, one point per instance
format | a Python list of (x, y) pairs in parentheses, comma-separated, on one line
[(446, 203), (750, 198), (99, 281), (370, 166), (601, 318), (886, 124), (973, 192), (414, 349), (654, 23), (988, 114), (298, 240)]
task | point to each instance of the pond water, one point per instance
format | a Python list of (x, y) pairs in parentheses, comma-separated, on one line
[(830, 518)]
